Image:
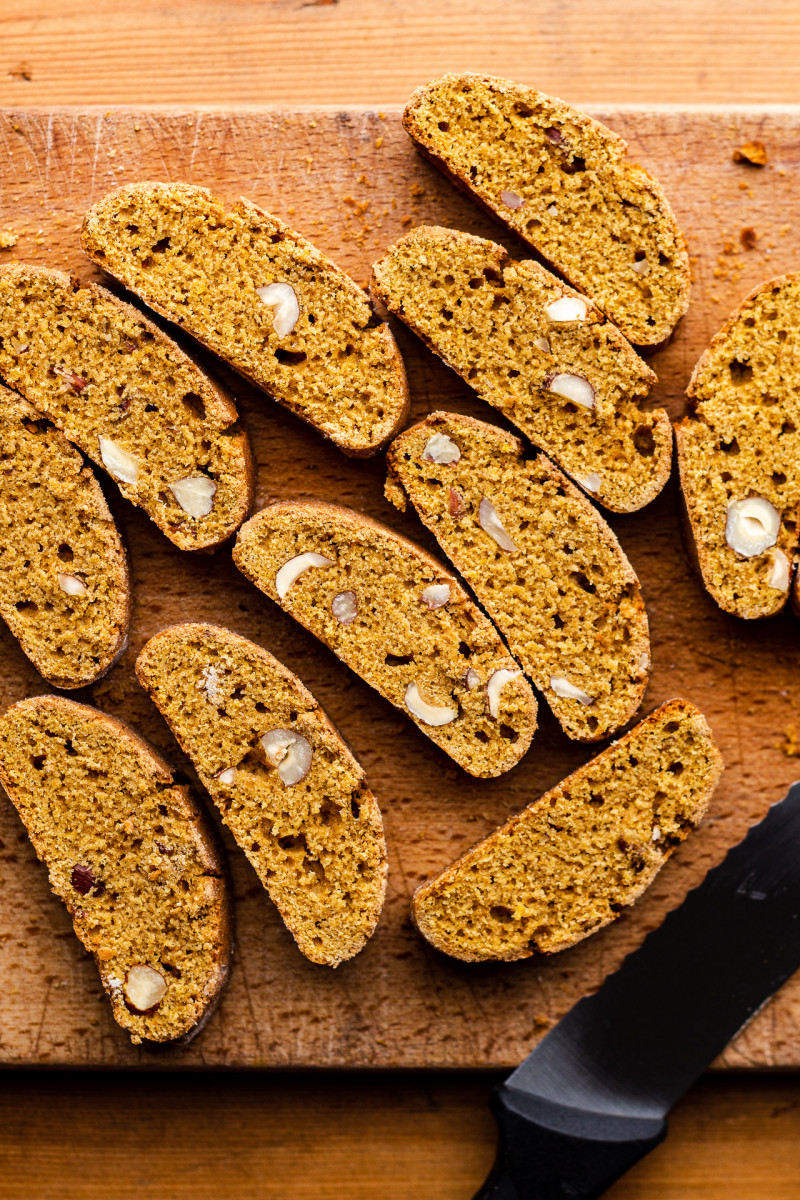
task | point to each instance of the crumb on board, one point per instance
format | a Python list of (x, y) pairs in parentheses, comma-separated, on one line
[(8, 238), (754, 153), (790, 744), (748, 237)]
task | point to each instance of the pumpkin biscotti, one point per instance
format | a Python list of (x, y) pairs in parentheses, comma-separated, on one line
[(739, 453), (64, 586), (130, 399), (562, 182), (541, 561), (131, 854), (400, 620), (538, 351), (285, 782), (570, 862), (261, 297)]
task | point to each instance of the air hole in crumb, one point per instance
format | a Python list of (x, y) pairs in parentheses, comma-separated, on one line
[(195, 405), (482, 736), (160, 246), (731, 447), (644, 441), (583, 582), (65, 552), (26, 606), (675, 768), (741, 372), (596, 800), (778, 478), (260, 707), (398, 660), (671, 727), (508, 733), (38, 761), (498, 912), (290, 358), (444, 126), (464, 650)]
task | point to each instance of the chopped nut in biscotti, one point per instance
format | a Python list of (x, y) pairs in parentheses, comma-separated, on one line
[(282, 299), (144, 988), (195, 494), (491, 523)]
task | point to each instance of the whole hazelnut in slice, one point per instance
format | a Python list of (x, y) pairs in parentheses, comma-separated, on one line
[(752, 526), (144, 988), (289, 752), (282, 299)]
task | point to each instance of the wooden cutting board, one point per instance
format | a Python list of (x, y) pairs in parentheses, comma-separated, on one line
[(352, 183)]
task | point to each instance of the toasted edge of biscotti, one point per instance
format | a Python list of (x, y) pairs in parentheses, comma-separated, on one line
[(691, 522), (681, 709), (145, 664), (640, 640), (93, 249), (338, 517), (617, 149), (662, 435), (212, 392), (208, 846), (14, 407)]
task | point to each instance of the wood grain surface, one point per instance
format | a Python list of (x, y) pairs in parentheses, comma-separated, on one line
[(399, 1136), (351, 182), (376, 51)]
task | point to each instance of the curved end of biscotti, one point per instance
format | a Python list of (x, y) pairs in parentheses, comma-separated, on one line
[(316, 842), (109, 863)]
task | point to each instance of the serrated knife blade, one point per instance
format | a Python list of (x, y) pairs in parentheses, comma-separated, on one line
[(592, 1098)]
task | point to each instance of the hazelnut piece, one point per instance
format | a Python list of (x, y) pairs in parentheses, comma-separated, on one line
[(294, 568), (226, 775), (344, 607), (571, 387), (195, 494), (71, 584), (778, 577), (490, 523), (752, 526), (511, 199), (436, 595), (566, 308), (144, 988), (282, 299), (429, 714), (118, 462), (441, 449), (591, 483), (568, 691), (497, 681)]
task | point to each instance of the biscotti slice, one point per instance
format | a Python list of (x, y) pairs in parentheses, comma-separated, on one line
[(538, 351), (132, 855), (541, 561), (64, 586), (401, 620), (739, 453), (562, 182), (568, 863), (130, 399), (288, 787), (261, 297)]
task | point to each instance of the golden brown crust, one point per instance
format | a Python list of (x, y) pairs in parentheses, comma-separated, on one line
[(486, 316), (390, 400), (488, 169), (396, 642), (320, 851), (104, 737), (198, 432), (567, 601), (57, 532), (740, 440), (523, 918)]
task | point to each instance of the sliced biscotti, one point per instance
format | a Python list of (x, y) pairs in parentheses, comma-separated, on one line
[(263, 298), (130, 399), (538, 351), (132, 855), (568, 863), (562, 182), (739, 453), (64, 586), (288, 787), (401, 621), (541, 561)]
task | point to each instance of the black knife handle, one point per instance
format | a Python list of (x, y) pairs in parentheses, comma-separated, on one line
[(549, 1152)]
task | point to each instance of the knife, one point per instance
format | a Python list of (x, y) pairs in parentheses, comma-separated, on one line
[(592, 1098)]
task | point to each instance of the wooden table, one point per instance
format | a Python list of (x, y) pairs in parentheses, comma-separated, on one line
[(394, 1135)]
